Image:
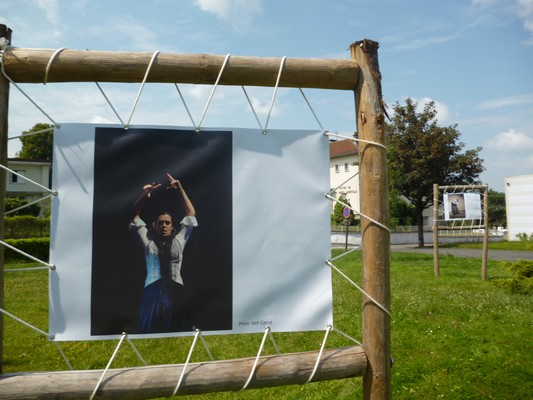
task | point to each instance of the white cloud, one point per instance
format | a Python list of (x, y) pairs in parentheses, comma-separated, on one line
[(237, 13), (443, 112), (512, 141), (507, 101), (50, 8)]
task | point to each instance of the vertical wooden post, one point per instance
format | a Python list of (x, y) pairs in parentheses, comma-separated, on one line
[(5, 32), (375, 205), (485, 254), (436, 261)]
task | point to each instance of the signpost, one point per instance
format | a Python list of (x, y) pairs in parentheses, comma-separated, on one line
[(346, 215)]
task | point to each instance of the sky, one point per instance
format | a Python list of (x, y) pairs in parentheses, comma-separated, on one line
[(473, 58)]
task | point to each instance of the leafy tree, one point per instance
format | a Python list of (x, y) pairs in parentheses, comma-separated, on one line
[(497, 210), (37, 146), (402, 213), (422, 153)]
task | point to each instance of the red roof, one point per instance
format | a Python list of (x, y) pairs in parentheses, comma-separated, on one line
[(341, 148)]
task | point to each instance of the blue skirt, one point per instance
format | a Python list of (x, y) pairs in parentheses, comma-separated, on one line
[(161, 305)]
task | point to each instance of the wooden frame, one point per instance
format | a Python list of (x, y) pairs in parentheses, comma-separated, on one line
[(359, 74)]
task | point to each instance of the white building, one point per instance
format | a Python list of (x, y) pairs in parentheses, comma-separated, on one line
[(36, 170), (519, 205), (344, 170)]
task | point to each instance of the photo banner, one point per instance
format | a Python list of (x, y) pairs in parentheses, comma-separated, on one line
[(159, 231), (462, 206)]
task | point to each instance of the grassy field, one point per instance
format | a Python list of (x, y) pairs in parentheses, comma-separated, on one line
[(453, 337)]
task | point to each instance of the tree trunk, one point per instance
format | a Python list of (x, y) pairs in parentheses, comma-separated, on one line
[(420, 219)]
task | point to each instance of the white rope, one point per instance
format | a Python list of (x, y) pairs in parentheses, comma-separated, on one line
[(346, 253), (136, 351), (109, 102), (22, 91), (29, 180), (141, 88), (26, 269), (51, 266), (282, 64), (253, 109), (267, 330), (332, 191), (347, 336), (26, 324), (197, 333), (50, 337), (63, 355), (30, 204), (213, 91), (329, 263), (328, 330), (206, 347), (357, 212), (355, 139), (185, 104), (311, 108), (49, 65), (108, 365), (31, 133)]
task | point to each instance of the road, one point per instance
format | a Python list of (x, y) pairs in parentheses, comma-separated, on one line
[(499, 255)]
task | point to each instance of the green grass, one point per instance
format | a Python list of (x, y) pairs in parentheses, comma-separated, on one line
[(453, 337), (522, 245)]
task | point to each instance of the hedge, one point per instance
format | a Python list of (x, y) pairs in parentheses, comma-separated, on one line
[(26, 226), (36, 247)]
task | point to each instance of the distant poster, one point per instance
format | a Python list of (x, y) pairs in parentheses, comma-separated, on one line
[(462, 206), (158, 231)]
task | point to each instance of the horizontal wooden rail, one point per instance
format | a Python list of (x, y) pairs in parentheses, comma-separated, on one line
[(161, 380), (30, 66)]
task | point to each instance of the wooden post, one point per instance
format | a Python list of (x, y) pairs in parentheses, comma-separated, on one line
[(436, 261), (5, 32), (375, 205), (161, 380), (485, 255)]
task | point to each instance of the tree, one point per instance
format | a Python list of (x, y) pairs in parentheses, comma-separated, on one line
[(497, 210), (37, 146), (402, 213), (422, 153)]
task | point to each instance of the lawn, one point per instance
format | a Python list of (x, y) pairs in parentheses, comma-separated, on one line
[(453, 337)]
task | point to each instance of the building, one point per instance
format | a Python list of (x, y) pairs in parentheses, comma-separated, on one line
[(344, 171), (519, 205), (36, 170)]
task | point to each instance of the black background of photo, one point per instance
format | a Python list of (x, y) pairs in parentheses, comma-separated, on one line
[(126, 160)]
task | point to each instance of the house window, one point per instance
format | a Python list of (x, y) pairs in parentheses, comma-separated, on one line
[(336, 168), (16, 179), (346, 168)]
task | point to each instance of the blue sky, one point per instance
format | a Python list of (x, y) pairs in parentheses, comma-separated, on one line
[(474, 58)]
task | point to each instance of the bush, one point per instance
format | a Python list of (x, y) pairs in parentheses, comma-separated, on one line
[(12, 203), (522, 280), (26, 226), (36, 247)]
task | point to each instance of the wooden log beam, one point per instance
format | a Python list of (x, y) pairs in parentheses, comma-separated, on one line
[(30, 65), (161, 380)]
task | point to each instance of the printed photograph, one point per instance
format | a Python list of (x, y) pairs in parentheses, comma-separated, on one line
[(162, 231)]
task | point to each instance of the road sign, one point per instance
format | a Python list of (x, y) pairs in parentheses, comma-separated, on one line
[(346, 212)]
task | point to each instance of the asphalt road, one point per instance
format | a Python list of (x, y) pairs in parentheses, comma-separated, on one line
[(499, 255)]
